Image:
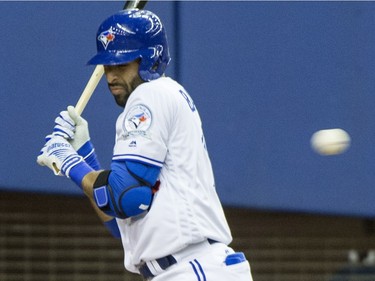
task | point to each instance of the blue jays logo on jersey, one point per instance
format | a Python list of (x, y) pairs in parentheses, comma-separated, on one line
[(138, 120), (106, 37)]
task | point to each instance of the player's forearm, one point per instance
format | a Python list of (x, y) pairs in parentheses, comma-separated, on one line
[(87, 186), (88, 183), (103, 217)]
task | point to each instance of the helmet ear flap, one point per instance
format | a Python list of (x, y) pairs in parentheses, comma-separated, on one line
[(148, 74), (154, 66)]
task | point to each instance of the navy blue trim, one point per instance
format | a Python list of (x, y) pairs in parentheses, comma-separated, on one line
[(195, 270), (145, 272), (136, 155), (169, 260), (164, 263), (201, 270)]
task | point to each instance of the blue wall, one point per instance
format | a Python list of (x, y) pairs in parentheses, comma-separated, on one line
[(264, 76)]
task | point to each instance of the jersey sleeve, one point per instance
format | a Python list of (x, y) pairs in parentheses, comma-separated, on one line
[(142, 129)]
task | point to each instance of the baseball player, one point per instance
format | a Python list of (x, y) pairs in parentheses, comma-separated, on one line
[(159, 193)]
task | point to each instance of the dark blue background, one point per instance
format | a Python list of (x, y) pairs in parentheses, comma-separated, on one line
[(264, 76)]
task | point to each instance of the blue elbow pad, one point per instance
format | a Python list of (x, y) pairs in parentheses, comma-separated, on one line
[(120, 194), (145, 173), (135, 200)]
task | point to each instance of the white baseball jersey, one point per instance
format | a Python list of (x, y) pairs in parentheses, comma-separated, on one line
[(161, 126)]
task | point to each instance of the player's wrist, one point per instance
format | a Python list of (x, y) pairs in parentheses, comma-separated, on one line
[(78, 172)]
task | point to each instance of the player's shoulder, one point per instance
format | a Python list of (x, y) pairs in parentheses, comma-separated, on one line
[(158, 89), (163, 84)]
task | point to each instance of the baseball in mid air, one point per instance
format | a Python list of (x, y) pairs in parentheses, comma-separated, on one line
[(330, 141)]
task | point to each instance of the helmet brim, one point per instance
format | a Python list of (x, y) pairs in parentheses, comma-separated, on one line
[(115, 58)]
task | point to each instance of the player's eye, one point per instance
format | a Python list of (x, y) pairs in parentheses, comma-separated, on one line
[(120, 67)]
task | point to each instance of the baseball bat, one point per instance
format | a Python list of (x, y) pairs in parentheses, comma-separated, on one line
[(99, 69)]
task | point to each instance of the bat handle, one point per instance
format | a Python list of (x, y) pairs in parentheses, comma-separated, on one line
[(89, 89)]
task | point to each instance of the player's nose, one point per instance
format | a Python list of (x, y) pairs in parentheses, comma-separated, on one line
[(110, 73)]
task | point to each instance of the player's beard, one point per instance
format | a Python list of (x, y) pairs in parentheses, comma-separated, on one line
[(128, 88)]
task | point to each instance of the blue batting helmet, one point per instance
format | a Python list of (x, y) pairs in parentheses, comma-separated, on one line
[(132, 34)]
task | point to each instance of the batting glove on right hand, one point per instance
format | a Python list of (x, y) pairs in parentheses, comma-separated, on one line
[(59, 155)]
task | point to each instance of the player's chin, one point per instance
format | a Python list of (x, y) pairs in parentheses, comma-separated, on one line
[(121, 100)]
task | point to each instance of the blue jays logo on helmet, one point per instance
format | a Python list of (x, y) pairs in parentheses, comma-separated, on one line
[(106, 37), (132, 34)]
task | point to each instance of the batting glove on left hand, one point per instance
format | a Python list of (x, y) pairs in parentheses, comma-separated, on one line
[(59, 155), (74, 128)]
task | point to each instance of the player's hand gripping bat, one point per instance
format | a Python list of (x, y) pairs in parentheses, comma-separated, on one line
[(99, 69)]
